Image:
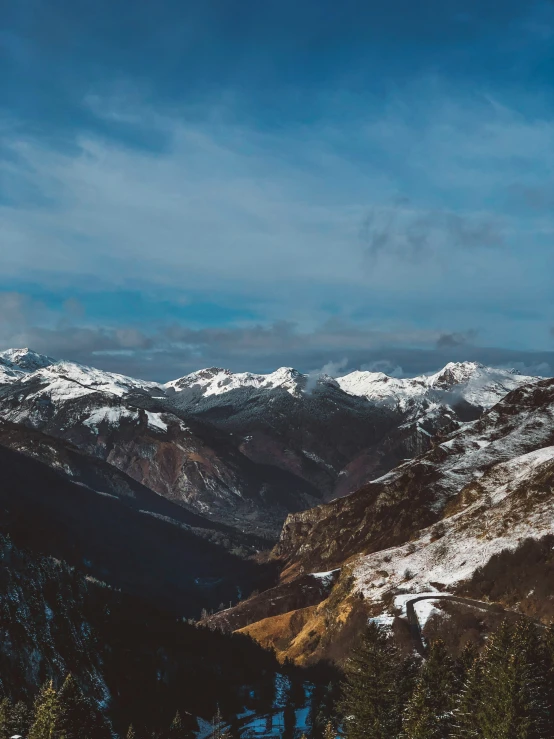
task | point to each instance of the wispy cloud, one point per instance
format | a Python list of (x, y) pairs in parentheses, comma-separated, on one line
[(271, 219), (168, 351)]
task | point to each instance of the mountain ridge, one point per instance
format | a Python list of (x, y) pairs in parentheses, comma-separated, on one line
[(243, 448)]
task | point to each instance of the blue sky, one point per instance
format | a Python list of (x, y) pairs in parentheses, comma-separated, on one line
[(253, 184)]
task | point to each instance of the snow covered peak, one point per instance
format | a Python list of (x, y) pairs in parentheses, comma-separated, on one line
[(16, 363), (25, 359), (89, 379), (216, 381), (454, 373), (470, 381)]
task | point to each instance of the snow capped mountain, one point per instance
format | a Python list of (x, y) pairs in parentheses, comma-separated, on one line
[(25, 359), (506, 507), (63, 379), (216, 381), (14, 363), (451, 520), (415, 494), (476, 384), (213, 439), (132, 425), (479, 385)]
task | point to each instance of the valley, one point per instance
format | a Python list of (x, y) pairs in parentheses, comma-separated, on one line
[(273, 512)]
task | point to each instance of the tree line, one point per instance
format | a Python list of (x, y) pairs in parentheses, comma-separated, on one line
[(68, 714)]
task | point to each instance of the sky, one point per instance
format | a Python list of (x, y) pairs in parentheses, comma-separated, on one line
[(317, 184)]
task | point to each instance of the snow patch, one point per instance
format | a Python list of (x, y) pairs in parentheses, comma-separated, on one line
[(109, 415), (155, 421)]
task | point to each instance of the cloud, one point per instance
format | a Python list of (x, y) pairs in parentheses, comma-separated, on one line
[(401, 232), (384, 365), (456, 339), (539, 197), (165, 351), (330, 369), (265, 222)]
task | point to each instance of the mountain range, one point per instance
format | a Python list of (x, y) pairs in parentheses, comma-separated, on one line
[(241, 448), (308, 503)]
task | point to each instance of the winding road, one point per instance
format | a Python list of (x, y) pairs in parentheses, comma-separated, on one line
[(415, 626)]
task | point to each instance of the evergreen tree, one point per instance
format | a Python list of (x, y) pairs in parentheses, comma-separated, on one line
[(329, 732), (177, 730), (371, 701), (72, 715), (466, 720), (79, 718), (315, 723), (20, 719), (46, 713), (6, 709), (428, 714), (289, 721), (548, 655), (219, 731), (467, 657), (514, 694), (323, 699), (182, 727)]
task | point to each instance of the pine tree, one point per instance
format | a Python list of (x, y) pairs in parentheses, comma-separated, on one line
[(370, 702), (329, 732), (289, 721), (548, 654), (428, 714), (6, 709), (467, 658), (515, 700), (219, 731), (466, 720), (176, 730), (46, 714), (322, 704), (20, 719), (72, 717), (182, 727), (79, 718)]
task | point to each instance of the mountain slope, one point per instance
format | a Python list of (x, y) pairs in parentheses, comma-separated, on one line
[(242, 448), (432, 524), (130, 657), (130, 425), (312, 435), (132, 540), (414, 495), (93, 473), (340, 433)]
